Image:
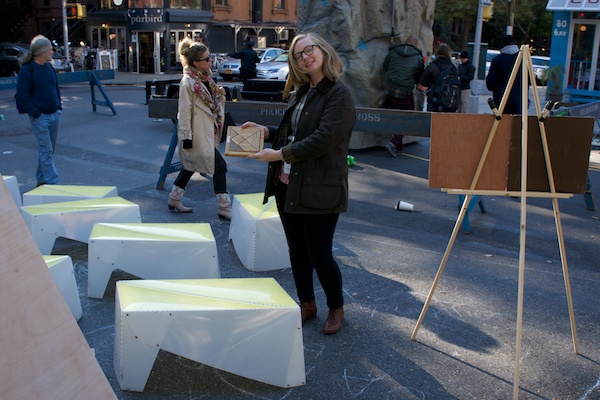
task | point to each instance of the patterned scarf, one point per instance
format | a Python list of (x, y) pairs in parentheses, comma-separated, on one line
[(212, 98)]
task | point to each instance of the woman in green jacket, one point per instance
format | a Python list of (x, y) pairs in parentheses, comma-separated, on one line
[(308, 172)]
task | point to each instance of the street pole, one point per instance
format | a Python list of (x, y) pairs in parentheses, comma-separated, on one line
[(476, 51), (66, 34), (511, 17)]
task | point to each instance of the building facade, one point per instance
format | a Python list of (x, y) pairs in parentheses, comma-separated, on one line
[(143, 35), (575, 46)]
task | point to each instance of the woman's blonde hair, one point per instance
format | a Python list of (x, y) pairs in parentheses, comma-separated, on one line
[(332, 64), (191, 51), (38, 45)]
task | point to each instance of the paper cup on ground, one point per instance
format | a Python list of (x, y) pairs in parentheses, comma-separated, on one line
[(404, 206)]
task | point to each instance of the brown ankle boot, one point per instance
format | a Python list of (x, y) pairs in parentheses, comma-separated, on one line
[(308, 311), (334, 322)]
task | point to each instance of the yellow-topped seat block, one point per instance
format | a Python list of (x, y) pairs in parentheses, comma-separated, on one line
[(156, 231), (253, 203), (249, 327), (150, 251), (75, 219), (61, 268), (59, 193), (257, 233), (13, 187)]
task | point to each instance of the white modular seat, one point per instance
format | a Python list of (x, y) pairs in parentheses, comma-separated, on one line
[(75, 219), (248, 327), (61, 268), (45, 194), (13, 187), (257, 233), (151, 251)]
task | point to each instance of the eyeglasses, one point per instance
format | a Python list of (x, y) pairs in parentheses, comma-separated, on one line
[(205, 59), (308, 50)]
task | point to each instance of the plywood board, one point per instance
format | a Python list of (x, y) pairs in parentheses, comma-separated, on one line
[(569, 143), (44, 353), (457, 144)]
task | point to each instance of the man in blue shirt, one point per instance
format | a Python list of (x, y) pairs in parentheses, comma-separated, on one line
[(38, 95)]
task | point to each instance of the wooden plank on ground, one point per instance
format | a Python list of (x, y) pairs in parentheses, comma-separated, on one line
[(44, 353)]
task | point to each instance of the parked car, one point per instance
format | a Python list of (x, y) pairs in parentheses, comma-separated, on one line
[(59, 63), (488, 59), (230, 67), (539, 64), (277, 68), (10, 55)]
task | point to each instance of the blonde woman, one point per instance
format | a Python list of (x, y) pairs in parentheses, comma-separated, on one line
[(200, 119), (308, 172)]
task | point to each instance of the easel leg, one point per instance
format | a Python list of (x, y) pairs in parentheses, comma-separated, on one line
[(563, 259), (588, 196)]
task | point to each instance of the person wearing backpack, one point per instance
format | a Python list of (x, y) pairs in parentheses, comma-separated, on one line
[(38, 96), (403, 65), (442, 82)]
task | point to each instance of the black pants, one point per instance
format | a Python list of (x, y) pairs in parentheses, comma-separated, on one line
[(219, 177), (247, 73), (310, 240)]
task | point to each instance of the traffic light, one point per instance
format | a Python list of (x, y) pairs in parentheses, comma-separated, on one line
[(488, 12), (76, 11)]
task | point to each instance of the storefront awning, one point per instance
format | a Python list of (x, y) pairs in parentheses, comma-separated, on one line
[(573, 5)]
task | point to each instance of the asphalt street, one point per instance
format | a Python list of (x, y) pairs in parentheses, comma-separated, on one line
[(465, 348)]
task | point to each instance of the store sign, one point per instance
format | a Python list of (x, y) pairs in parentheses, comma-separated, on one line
[(561, 27), (573, 5), (145, 18)]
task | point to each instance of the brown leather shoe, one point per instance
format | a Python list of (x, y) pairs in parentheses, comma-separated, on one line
[(334, 322), (308, 311)]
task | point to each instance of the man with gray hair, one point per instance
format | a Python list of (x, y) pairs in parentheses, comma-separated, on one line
[(404, 66), (38, 96)]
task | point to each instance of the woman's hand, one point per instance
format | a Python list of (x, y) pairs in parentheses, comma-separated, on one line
[(252, 124), (266, 155)]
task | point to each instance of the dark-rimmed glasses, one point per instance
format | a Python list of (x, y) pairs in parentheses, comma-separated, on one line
[(308, 50), (205, 59)]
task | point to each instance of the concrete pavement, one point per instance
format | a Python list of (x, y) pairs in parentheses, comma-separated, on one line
[(466, 346)]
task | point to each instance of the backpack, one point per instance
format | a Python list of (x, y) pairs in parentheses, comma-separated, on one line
[(19, 109), (445, 94)]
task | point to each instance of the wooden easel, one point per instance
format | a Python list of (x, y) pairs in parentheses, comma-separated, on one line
[(524, 61)]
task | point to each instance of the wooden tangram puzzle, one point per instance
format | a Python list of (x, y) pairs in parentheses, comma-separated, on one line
[(241, 142)]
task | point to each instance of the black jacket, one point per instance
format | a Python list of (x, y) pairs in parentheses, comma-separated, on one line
[(248, 58), (466, 73), (319, 169), (497, 79)]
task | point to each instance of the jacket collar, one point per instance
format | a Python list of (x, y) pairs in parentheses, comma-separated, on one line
[(325, 85)]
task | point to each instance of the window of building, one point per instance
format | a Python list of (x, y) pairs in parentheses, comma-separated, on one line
[(279, 4), (187, 4), (221, 3), (113, 4), (146, 4)]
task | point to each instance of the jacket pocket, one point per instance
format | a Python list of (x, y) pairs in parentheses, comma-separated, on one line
[(321, 189)]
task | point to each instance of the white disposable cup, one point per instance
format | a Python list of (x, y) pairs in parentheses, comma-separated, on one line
[(404, 206)]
